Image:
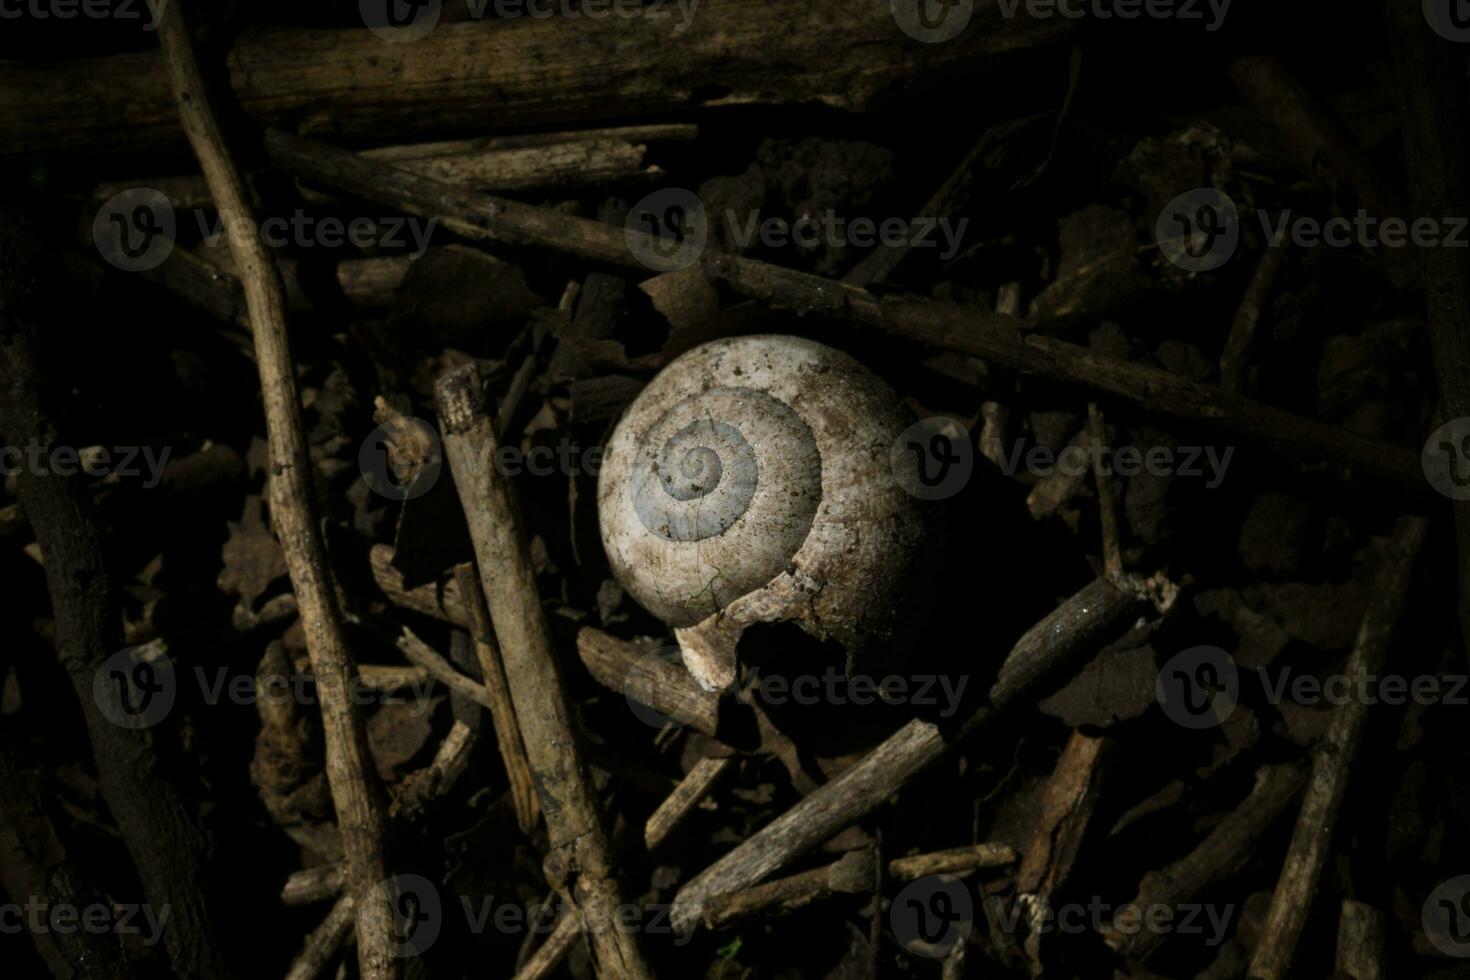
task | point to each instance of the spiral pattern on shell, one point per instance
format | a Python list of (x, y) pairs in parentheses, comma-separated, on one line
[(697, 473)]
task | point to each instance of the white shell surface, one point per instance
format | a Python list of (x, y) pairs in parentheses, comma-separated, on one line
[(751, 458)]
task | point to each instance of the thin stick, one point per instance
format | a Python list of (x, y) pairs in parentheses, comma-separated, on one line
[(1004, 342), (1000, 339), (356, 795), (159, 823), (553, 951), (1227, 849), (580, 863), (502, 711), (851, 874), (1077, 627), (1235, 358), (1332, 765), (314, 884), (636, 672), (322, 945), (1109, 499), (693, 788), (420, 653)]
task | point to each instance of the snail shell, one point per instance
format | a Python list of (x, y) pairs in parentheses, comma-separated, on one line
[(750, 481)]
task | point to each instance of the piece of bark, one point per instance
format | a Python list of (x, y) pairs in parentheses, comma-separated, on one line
[(1333, 758), (502, 710), (580, 864), (1067, 806), (533, 74), (1360, 942), (1066, 812), (601, 307), (639, 673), (157, 821), (692, 789), (1225, 851), (356, 794), (441, 601), (1077, 627)]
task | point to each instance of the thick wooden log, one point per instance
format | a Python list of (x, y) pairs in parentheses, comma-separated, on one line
[(478, 77)]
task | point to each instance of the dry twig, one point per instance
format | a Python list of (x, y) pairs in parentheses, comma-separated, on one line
[(356, 795)]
